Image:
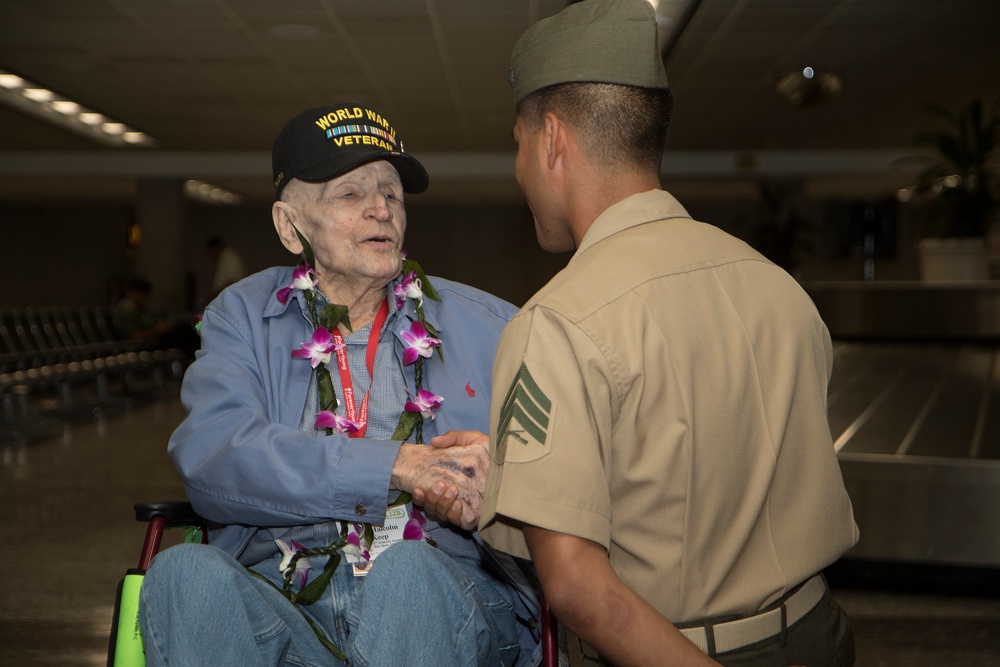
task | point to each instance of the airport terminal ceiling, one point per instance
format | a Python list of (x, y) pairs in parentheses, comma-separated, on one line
[(212, 82)]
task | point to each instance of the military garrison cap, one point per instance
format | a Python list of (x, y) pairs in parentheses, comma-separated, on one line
[(602, 41)]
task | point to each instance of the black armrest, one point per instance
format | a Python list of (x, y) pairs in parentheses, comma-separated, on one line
[(176, 512)]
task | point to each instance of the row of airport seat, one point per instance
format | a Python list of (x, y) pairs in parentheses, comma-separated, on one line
[(53, 349)]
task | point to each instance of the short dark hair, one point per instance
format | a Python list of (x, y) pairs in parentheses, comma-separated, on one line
[(617, 124)]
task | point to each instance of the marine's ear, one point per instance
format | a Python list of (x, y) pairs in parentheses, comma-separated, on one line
[(558, 138)]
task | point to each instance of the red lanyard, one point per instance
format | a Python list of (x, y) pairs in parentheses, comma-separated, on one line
[(350, 404)]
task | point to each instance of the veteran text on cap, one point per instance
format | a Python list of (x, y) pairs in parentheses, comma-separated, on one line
[(324, 142)]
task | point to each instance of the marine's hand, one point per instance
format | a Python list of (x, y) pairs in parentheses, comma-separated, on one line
[(461, 438), (457, 459)]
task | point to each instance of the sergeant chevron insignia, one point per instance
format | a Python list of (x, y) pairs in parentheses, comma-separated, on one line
[(524, 418)]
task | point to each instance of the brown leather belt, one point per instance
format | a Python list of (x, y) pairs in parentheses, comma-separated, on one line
[(733, 635)]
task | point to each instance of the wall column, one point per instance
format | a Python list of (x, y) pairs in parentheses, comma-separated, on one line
[(159, 212)]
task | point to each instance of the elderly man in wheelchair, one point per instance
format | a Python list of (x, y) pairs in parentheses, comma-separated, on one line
[(330, 403)]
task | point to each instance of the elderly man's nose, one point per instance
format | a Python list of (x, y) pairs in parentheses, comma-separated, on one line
[(379, 209)]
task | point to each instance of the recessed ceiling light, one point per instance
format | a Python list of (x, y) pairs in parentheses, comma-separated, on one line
[(91, 118), (66, 107), (38, 94), (11, 81), (808, 86)]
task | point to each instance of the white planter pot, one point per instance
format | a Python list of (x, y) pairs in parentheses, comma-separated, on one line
[(953, 259)]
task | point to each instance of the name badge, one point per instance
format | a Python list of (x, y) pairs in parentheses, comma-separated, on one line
[(386, 535)]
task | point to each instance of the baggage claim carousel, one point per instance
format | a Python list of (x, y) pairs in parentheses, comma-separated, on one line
[(914, 407)]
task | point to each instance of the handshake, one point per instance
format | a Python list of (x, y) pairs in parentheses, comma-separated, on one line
[(447, 478)]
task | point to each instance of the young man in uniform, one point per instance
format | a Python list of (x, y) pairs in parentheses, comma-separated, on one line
[(660, 445)]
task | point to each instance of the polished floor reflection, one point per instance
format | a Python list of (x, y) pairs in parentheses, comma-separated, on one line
[(68, 534)]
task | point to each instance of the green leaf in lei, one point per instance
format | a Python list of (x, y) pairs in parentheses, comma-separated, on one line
[(425, 284), (407, 422), (307, 251), (334, 314), (330, 318)]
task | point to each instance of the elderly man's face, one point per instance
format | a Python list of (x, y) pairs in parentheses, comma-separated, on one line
[(355, 224)]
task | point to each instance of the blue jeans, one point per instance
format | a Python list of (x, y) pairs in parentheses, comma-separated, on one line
[(417, 606)]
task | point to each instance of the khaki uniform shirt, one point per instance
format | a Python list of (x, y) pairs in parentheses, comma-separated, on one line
[(665, 396)]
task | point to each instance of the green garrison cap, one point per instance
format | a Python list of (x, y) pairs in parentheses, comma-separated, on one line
[(602, 41)]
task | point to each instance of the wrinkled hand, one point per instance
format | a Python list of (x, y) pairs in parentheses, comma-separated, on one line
[(448, 478), (441, 503)]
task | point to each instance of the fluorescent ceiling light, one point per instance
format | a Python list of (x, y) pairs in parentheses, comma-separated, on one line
[(41, 102), (209, 193)]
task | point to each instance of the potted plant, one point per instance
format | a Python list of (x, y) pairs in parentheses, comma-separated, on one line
[(775, 228), (956, 191)]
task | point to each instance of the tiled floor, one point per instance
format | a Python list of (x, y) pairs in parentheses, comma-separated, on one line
[(67, 534)]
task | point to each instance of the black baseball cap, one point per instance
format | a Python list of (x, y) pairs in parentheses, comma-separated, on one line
[(324, 142)]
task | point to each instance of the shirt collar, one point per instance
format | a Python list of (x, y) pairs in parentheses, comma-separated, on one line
[(275, 308), (635, 210)]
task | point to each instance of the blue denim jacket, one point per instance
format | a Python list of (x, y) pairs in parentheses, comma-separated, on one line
[(244, 462)]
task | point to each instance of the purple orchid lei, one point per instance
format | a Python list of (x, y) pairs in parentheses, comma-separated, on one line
[(421, 340)]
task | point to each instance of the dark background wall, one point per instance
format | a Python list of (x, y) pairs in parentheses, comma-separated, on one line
[(63, 254)]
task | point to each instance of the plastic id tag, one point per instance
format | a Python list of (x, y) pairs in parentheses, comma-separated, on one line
[(386, 535)]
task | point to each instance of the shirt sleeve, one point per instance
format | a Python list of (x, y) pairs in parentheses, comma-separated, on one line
[(240, 464), (550, 428)]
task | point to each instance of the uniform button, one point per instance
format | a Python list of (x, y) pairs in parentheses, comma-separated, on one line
[(360, 509)]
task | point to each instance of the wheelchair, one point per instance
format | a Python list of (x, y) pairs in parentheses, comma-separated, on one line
[(125, 643)]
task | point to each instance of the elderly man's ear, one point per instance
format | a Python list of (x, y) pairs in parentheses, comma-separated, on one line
[(284, 216)]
